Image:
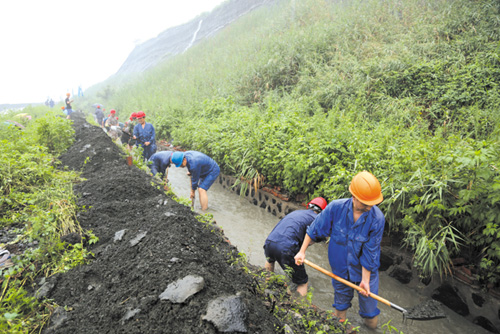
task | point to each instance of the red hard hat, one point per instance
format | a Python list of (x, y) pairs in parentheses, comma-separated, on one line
[(98, 107), (141, 114), (112, 111), (319, 202)]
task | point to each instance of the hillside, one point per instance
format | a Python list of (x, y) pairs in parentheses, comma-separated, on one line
[(178, 39), (302, 95)]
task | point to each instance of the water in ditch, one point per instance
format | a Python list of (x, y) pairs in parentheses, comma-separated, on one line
[(247, 227)]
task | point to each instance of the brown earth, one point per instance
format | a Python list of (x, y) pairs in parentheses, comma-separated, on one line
[(118, 292)]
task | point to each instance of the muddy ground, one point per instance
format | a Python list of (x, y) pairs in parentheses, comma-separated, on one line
[(161, 242)]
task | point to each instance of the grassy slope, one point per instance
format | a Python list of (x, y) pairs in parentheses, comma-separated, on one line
[(306, 97)]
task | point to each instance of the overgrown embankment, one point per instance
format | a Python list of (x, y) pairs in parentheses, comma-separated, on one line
[(307, 94), (37, 214)]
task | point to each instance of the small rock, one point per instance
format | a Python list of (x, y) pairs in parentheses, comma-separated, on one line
[(228, 314), (44, 290), (138, 238), (129, 315), (119, 235), (182, 289)]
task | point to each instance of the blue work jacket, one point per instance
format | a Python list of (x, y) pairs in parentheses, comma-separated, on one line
[(352, 245), (145, 135), (160, 161), (291, 230), (199, 165)]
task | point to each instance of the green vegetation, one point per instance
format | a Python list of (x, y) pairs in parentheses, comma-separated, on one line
[(305, 96), (37, 207)]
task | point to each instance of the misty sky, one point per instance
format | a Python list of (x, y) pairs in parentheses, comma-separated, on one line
[(51, 47)]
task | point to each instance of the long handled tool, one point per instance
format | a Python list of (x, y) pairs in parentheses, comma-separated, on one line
[(190, 186), (426, 311)]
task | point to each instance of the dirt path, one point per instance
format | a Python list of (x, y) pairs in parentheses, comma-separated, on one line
[(119, 291)]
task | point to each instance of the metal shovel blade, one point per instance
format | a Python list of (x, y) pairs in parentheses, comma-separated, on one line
[(429, 310)]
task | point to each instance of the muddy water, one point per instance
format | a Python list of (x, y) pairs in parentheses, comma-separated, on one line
[(247, 226)]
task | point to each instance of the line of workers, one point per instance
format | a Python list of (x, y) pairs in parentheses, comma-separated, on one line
[(354, 226), (202, 169)]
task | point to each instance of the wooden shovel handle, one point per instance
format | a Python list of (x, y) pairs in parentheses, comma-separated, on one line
[(346, 282)]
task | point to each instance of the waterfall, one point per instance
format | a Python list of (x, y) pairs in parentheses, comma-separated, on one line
[(194, 36)]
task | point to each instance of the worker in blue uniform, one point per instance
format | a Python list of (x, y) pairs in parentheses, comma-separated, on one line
[(159, 163), (144, 134), (203, 171), (285, 241), (355, 227)]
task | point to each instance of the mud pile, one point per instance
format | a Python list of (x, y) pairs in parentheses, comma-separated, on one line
[(148, 245)]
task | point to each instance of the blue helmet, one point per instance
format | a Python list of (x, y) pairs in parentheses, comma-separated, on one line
[(177, 158)]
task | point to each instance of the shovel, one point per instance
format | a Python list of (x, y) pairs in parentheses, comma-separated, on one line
[(426, 311), (192, 201)]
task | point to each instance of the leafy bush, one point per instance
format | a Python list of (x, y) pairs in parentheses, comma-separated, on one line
[(54, 132)]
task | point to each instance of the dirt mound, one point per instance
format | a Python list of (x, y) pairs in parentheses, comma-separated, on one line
[(147, 241)]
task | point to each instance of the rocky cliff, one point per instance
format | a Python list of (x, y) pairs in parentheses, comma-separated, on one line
[(178, 39)]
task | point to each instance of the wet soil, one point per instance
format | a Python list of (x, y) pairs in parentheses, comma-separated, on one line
[(161, 242)]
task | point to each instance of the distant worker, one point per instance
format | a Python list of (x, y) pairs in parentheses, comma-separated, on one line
[(286, 239), (112, 125), (159, 163), (355, 227), (112, 120), (128, 131), (203, 171), (68, 102), (99, 115), (51, 103), (144, 134)]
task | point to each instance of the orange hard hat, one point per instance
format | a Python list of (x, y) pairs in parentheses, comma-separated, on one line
[(68, 94), (318, 202), (366, 188), (62, 108)]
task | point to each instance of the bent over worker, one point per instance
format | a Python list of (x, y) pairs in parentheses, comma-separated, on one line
[(355, 226), (159, 163), (286, 239), (202, 169)]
